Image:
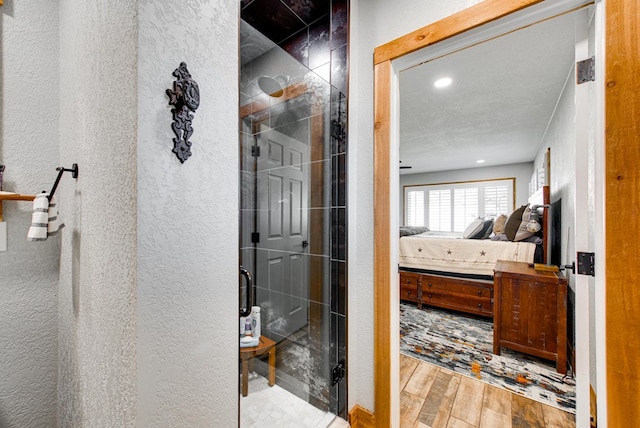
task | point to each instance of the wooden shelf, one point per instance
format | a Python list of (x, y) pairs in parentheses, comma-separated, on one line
[(15, 197), (10, 196)]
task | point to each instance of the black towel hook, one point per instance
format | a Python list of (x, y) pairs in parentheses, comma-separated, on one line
[(74, 173)]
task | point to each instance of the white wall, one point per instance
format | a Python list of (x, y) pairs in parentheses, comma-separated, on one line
[(372, 23), (520, 171), (97, 291), (148, 290), (188, 237), (396, 18), (29, 147), (560, 137), (360, 203)]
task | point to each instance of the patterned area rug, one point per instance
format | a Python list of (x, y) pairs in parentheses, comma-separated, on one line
[(465, 344)]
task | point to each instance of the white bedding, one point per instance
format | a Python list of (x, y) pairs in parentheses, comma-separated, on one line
[(462, 256)]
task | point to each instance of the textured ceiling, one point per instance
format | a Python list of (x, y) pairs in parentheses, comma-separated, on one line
[(498, 107)]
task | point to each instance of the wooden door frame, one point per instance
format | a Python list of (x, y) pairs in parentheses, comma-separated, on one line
[(621, 178)]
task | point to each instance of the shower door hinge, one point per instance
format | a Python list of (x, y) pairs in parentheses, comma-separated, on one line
[(338, 372), (255, 151), (586, 70), (255, 238), (337, 129)]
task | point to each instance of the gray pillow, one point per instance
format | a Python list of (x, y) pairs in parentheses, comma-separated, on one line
[(475, 227), (484, 232), (412, 230), (488, 225)]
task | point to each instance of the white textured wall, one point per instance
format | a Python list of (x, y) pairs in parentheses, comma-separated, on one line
[(560, 137), (97, 292), (372, 23), (29, 86), (360, 203), (188, 238), (398, 17)]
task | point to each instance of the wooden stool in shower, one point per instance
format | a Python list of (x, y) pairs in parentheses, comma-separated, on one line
[(265, 346)]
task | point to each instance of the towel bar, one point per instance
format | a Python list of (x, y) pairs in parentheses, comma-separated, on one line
[(74, 173)]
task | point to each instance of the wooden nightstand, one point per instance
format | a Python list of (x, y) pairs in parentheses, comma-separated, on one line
[(530, 312)]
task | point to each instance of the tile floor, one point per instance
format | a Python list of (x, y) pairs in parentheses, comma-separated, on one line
[(270, 407), (435, 397)]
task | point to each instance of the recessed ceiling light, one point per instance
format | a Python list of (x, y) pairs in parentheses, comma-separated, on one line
[(442, 82), (480, 161)]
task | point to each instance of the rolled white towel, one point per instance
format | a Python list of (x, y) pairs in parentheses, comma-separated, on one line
[(45, 220), (55, 223), (39, 218)]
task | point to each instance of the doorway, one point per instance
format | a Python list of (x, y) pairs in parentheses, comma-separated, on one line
[(386, 75), (293, 153)]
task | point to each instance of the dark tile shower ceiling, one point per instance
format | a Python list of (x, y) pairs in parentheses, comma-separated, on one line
[(280, 19)]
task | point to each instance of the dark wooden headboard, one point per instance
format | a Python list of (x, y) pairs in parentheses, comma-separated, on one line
[(542, 197)]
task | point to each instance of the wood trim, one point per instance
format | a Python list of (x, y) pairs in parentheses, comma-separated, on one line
[(546, 233), (482, 13), (316, 219), (290, 92), (359, 417), (382, 236), (621, 201), (444, 183), (593, 410), (467, 19)]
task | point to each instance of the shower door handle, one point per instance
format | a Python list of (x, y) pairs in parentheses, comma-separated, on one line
[(249, 295)]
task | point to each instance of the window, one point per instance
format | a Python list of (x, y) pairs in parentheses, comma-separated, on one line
[(415, 208), (450, 207)]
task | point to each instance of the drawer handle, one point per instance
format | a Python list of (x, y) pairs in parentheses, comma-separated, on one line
[(479, 305), (429, 295), (479, 292), (429, 285), (409, 293)]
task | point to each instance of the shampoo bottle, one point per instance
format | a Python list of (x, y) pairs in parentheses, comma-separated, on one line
[(248, 331), (255, 325), (243, 321)]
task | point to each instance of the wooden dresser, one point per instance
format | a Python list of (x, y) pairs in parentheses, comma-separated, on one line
[(530, 312), (472, 296)]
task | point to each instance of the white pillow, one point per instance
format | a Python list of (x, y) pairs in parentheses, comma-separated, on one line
[(474, 227)]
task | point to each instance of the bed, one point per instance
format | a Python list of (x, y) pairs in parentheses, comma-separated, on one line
[(457, 273)]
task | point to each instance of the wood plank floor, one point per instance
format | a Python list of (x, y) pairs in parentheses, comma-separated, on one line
[(435, 397)]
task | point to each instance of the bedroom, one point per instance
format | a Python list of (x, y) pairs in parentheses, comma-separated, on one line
[(510, 100)]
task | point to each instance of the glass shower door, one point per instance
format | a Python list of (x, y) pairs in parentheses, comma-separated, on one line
[(289, 234)]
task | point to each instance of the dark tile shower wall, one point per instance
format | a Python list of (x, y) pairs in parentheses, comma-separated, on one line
[(315, 33)]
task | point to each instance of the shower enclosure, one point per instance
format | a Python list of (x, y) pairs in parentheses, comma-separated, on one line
[(293, 192)]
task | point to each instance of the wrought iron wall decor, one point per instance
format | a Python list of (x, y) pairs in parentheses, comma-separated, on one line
[(185, 97)]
